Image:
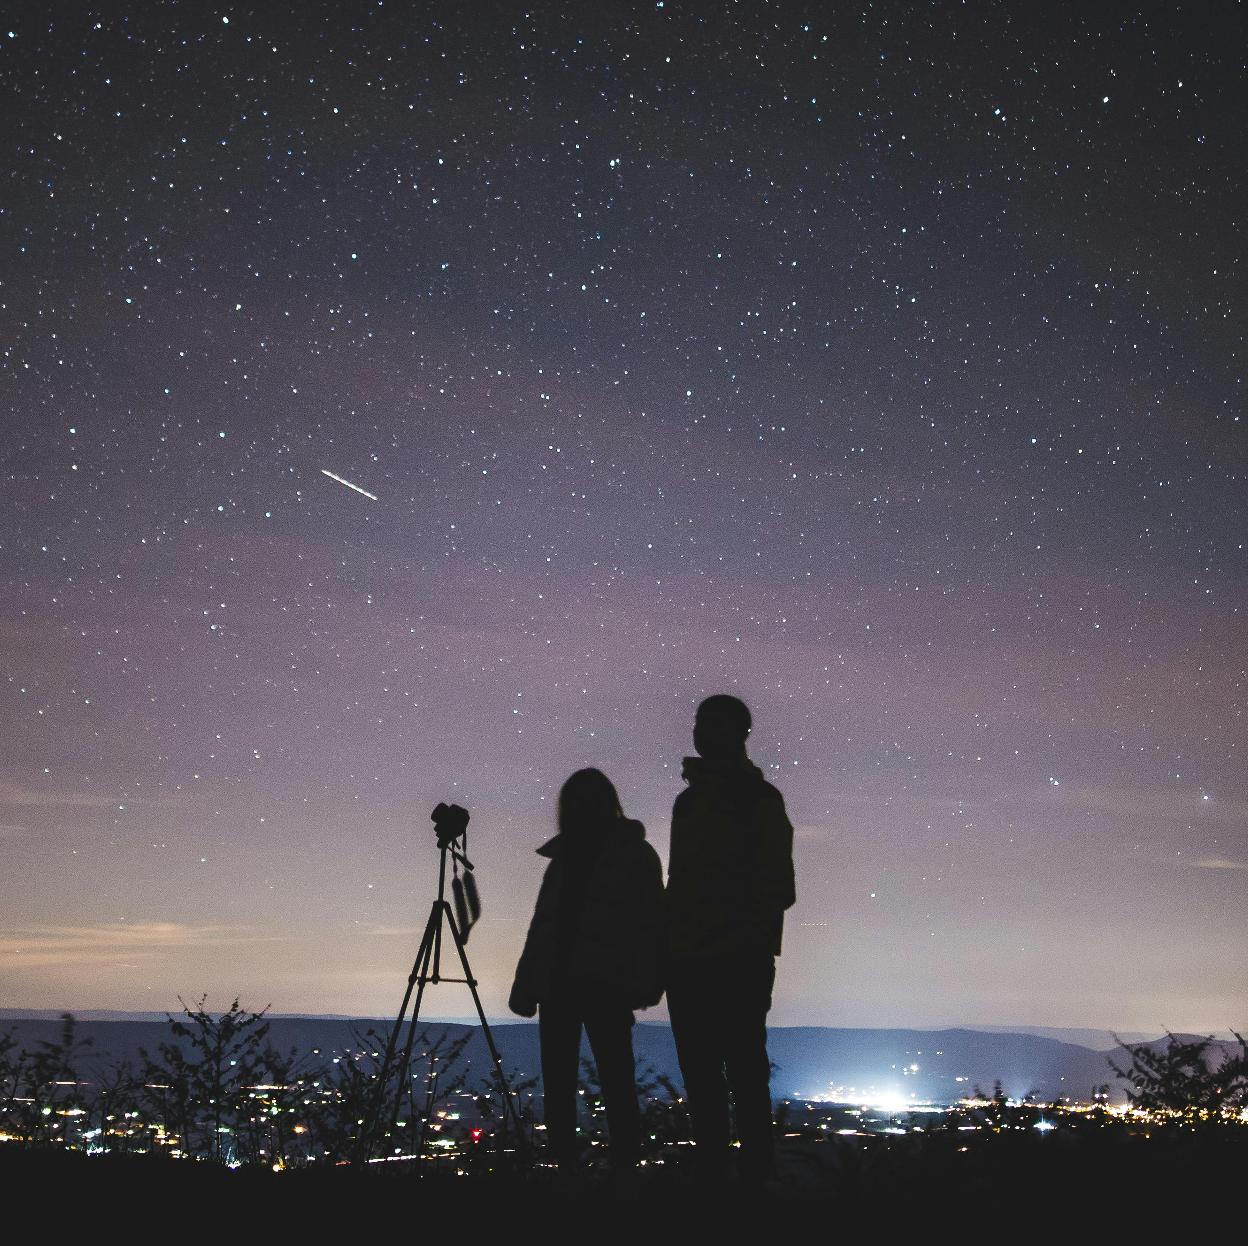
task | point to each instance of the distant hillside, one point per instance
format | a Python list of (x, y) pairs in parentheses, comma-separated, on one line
[(932, 1065), (812, 1061), (1098, 1040)]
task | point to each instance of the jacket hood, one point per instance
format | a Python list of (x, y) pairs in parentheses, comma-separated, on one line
[(626, 830), (733, 772)]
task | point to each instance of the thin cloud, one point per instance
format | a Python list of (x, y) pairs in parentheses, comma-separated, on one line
[(1137, 805), (1157, 805), (1220, 863), (127, 942), (16, 796)]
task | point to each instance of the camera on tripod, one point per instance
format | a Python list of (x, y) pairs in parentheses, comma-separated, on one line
[(450, 824)]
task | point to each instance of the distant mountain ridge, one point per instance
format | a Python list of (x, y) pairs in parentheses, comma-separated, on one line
[(1083, 1036), (813, 1062)]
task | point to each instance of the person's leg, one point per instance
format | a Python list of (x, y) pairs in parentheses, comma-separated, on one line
[(695, 1013), (559, 1028), (610, 1030), (749, 1069)]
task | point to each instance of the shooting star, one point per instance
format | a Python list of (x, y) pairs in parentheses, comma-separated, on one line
[(326, 472)]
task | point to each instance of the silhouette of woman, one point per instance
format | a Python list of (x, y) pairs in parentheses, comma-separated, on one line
[(593, 954)]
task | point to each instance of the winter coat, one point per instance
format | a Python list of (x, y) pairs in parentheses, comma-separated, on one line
[(597, 927), (730, 872)]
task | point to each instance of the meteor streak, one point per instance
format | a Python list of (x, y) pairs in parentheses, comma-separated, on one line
[(326, 472)]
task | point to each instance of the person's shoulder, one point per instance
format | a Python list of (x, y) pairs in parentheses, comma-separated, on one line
[(762, 789), (684, 798), (630, 836), (631, 843), (647, 857), (769, 791), (768, 800)]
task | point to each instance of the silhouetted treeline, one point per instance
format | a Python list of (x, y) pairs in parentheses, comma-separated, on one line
[(1185, 1080), (218, 1089)]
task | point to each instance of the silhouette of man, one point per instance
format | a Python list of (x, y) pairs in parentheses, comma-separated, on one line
[(730, 879)]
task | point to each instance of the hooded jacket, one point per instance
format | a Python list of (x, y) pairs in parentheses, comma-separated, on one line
[(730, 873), (597, 927)]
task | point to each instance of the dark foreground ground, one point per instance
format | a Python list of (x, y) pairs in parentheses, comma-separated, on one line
[(1006, 1187)]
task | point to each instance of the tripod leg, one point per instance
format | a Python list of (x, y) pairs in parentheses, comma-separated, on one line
[(421, 977), (509, 1107), (418, 975)]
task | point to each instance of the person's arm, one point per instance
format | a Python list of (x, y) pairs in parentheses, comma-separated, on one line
[(523, 998), (777, 885), (652, 929)]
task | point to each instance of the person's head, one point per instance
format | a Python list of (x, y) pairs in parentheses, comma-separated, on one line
[(721, 727), (587, 801)]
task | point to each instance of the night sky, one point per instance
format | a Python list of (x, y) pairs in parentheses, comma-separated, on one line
[(882, 364)]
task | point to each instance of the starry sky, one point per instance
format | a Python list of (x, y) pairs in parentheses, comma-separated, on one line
[(880, 363)]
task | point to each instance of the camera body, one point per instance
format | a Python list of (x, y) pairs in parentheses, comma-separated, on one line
[(449, 824)]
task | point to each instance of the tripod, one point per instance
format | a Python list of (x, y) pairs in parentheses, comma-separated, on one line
[(426, 969)]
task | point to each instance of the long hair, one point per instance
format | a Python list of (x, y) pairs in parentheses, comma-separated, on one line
[(587, 801)]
